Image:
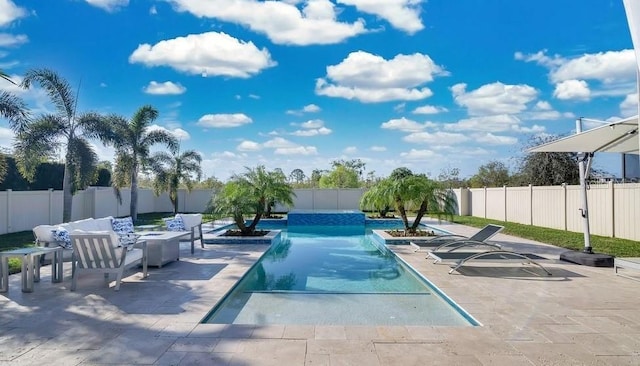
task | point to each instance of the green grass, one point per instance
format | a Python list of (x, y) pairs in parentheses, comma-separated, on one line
[(564, 239)]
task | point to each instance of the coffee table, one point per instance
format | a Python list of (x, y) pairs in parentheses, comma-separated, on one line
[(162, 246), (30, 266)]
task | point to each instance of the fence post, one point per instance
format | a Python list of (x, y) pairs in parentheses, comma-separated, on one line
[(504, 191), (564, 206), (485, 202), (50, 190), (9, 209), (531, 204), (613, 209)]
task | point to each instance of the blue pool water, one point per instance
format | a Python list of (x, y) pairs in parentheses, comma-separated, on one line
[(334, 275)]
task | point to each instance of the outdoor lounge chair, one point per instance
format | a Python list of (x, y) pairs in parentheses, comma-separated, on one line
[(187, 222), (457, 259), (454, 241), (95, 252)]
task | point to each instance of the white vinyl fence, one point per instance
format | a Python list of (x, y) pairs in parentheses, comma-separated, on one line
[(614, 209)]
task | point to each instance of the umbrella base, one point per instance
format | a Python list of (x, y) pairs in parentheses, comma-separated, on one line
[(587, 259)]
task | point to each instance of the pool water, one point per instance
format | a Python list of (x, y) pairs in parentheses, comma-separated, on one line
[(334, 275)]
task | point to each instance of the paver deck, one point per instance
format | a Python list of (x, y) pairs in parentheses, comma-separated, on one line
[(579, 316)]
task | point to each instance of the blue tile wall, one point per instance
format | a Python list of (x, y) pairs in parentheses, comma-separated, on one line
[(329, 218)]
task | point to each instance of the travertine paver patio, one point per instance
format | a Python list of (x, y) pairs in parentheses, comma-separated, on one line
[(579, 316)]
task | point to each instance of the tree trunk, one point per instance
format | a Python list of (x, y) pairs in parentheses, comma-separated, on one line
[(173, 195), (403, 213), (133, 206), (67, 197), (421, 211), (239, 220)]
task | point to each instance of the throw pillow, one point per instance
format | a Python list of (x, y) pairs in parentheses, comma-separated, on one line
[(175, 224), (127, 240), (61, 235), (122, 225)]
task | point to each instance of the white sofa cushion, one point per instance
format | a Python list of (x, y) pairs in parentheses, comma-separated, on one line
[(103, 223), (84, 224), (190, 220), (44, 233)]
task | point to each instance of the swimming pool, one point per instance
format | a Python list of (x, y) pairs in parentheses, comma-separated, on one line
[(334, 275)]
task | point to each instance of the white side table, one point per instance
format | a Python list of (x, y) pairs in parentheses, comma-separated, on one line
[(30, 266)]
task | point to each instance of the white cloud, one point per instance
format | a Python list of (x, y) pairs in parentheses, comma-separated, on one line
[(247, 145), (572, 89), (497, 123), (207, 54), (403, 124), (153, 10), (429, 109), (179, 133), (10, 40), (109, 5), (296, 150), (282, 22), (542, 106), (533, 129), (491, 139), (310, 108), (415, 154), (350, 150), (440, 138), (370, 78), (6, 137), (615, 72), (312, 127), (9, 12), (279, 142), (607, 67), (166, 88), (495, 98), (629, 105), (312, 132), (402, 14), (378, 148), (224, 120)]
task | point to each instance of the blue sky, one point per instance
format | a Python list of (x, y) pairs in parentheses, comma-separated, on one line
[(428, 85)]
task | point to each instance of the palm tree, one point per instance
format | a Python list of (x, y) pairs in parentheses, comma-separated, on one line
[(250, 192), (171, 170), (132, 141), (13, 109), (39, 139), (375, 199), (281, 192), (412, 192)]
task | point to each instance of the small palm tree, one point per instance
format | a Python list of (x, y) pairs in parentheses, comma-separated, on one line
[(375, 199), (250, 192), (413, 192), (171, 170), (38, 140), (132, 142)]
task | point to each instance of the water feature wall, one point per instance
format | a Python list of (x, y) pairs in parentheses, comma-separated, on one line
[(329, 218)]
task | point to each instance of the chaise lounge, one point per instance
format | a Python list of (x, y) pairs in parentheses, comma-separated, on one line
[(452, 241)]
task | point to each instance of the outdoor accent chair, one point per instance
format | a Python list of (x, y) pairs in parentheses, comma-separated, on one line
[(98, 252), (454, 241), (187, 222), (457, 259)]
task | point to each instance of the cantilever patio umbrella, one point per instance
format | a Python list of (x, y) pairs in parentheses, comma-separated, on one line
[(616, 137)]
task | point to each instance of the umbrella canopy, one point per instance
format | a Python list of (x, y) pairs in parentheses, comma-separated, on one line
[(616, 137)]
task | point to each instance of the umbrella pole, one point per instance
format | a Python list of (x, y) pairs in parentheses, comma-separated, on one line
[(584, 210)]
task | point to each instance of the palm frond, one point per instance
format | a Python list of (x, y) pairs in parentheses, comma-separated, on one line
[(143, 118), (82, 161), (14, 109), (6, 77), (160, 137), (57, 88), (96, 126)]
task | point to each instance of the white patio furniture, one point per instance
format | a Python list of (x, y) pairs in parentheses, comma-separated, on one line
[(99, 253)]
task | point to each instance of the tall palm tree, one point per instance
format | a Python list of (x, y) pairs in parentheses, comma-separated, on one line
[(250, 192), (39, 139), (171, 170), (133, 140), (13, 109)]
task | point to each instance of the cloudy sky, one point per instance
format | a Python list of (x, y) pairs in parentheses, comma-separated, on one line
[(428, 85)]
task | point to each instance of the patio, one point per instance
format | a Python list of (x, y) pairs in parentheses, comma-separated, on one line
[(579, 316)]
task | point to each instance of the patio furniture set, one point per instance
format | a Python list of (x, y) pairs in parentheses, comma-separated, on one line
[(105, 245)]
